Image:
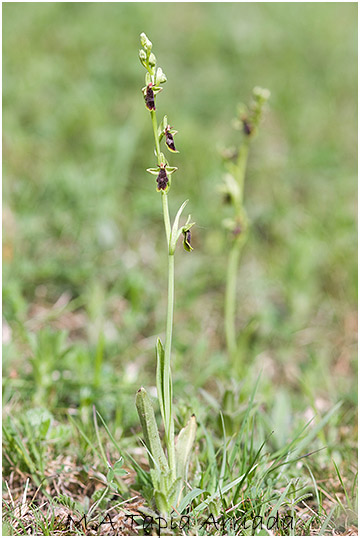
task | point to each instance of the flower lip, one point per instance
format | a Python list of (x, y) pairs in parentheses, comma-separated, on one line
[(150, 97), (162, 179), (248, 128), (187, 241), (169, 140)]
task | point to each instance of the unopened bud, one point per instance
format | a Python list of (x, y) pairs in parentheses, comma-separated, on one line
[(145, 41), (262, 94), (160, 76), (152, 60), (142, 56)]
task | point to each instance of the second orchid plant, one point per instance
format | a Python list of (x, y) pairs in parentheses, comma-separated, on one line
[(232, 188)]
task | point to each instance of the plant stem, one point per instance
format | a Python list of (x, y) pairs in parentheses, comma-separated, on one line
[(241, 166), (164, 198), (167, 411), (233, 262), (156, 136), (169, 424), (230, 298)]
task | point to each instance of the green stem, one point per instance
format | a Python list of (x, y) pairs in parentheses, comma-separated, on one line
[(169, 421), (156, 136), (230, 298), (233, 260), (241, 166), (167, 222), (167, 411)]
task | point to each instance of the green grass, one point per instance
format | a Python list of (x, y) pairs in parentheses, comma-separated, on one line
[(84, 288)]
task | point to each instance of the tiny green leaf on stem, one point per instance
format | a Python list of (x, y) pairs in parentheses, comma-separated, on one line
[(175, 233), (177, 218)]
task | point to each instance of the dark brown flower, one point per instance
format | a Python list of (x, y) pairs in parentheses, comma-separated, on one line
[(162, 179), (150, 98), (248, 128), (169, 140)]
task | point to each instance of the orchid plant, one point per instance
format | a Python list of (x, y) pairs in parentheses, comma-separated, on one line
[(168, 467), (232, 189)]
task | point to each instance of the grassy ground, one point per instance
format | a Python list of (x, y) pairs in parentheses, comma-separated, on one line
[(84, 264)]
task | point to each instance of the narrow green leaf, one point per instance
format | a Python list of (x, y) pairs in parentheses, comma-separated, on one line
[(223, 463), (188, 499), (342, 483), (110, 475), (315, 430), (326, 522), (244, 423), (112, 439), (281, 499), (150, 430), (161, 502), (218, 493), (184, 445)]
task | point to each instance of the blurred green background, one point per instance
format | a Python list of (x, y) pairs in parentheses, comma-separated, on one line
[(84, 245)]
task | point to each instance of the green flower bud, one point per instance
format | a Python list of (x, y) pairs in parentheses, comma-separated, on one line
[(261, 94), (230, 189), (237, 225), (160, 76), (152, 60), (145, 41), (142, 57)]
